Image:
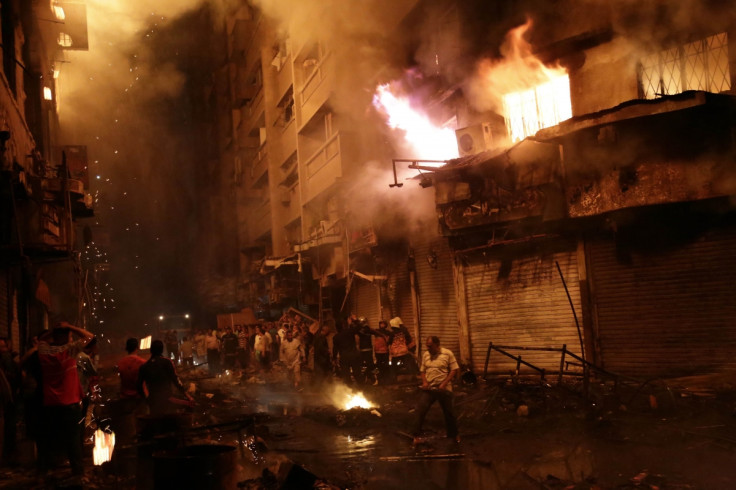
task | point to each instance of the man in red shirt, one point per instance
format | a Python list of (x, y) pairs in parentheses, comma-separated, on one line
[(128, 368), (62, 394)]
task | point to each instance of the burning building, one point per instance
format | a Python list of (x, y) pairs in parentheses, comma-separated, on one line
[(593, 147)]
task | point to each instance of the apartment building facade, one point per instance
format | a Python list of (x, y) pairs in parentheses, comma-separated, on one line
[(44, 184), (624, 197)]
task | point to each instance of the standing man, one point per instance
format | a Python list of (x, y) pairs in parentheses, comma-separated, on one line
[(322, 358), (159, 377), (262, 347), (291, 354), (213, 351), (242, 346), (345, 348), (380, 348), (438, 369), (229, 346), (400, 345), (62, 394), (186, 349), (128, 368)]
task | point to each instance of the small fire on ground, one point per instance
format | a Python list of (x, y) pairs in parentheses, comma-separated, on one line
[(344, 398), (357, 401), (104, 446)]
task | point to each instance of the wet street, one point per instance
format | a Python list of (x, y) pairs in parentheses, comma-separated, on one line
[(278, 437)]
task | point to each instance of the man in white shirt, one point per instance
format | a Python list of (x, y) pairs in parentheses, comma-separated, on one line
[(439, 368), (291, 355), (262, 347)]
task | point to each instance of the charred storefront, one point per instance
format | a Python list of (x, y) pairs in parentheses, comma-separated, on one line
[(631, 208)]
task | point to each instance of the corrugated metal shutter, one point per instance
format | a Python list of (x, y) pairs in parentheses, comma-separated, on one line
[(524, 305), (667, 314), (398, 300), (364, 300), (437, 306)]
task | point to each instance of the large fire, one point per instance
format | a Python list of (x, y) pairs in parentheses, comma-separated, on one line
[(426, 139), (532, 95)]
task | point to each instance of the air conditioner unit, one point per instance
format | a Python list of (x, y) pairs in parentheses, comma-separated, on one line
[(474, 139)]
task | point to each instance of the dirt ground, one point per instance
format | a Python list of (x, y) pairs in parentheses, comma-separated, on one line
[(516, 434)]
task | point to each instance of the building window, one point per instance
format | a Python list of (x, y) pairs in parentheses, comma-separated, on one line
[(700, 65), (64, 40), (58, 10), (537, 108)]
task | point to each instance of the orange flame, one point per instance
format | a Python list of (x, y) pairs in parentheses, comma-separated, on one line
[(104, 446), (533, 96), (425, 139)]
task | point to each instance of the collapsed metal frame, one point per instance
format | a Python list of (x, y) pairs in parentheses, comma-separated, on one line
[(564, 364)]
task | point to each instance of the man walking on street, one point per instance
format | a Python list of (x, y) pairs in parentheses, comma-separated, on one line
[(438, 369)]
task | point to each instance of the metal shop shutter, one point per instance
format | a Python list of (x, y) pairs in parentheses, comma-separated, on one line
[(526, 306), (399, 294), (436, 291), (364, 300), (669, 314)]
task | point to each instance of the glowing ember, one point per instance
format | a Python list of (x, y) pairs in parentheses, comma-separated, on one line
[(104, 445), (357, 400), (425, 138)]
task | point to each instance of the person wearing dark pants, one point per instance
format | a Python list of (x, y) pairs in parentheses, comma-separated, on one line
[(438, 369), (62, 395)]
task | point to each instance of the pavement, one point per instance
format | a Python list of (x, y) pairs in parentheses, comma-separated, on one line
[(516, 433)]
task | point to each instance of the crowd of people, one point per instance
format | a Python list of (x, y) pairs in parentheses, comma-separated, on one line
[(355, 352), (55, 380)]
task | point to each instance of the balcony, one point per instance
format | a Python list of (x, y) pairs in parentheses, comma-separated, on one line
[(316, 89), (323, 168), (81, 202)]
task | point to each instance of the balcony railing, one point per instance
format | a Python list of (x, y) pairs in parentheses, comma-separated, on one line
[(314, 79)]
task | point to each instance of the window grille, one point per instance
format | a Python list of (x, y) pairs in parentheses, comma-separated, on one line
[(700, 65)]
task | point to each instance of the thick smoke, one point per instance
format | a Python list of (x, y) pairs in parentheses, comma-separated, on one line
[(124, 99)]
